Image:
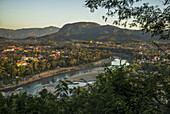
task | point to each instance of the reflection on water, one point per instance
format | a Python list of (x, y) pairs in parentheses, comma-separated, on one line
[(32, 88), (80, 84)]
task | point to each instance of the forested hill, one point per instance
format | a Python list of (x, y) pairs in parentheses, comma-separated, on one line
[(4, 39), (94, 31), (24, 33)]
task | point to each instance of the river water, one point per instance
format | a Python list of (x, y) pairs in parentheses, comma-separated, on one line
[(32, 87)]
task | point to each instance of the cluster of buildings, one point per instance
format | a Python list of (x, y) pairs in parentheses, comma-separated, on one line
[(22, 54), (31, 53)]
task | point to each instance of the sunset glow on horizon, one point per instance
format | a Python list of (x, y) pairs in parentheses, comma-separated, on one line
[(17, 14)]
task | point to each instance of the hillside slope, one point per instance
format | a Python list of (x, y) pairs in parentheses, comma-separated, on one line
[(94, 31), (24, 33)]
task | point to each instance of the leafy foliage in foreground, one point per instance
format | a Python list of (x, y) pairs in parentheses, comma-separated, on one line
[(148, 17), (113, 92)]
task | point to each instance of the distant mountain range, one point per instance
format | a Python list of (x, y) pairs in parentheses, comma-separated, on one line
[(94, 31), (78, 31), (24, 33), (2, 39)]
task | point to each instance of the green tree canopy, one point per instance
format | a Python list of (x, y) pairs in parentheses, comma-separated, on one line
[(149, 18)]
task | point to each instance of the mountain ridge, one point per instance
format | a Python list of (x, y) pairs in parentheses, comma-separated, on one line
[(27, 32), (94, 31)]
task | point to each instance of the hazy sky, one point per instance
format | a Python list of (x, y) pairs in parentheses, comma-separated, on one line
[(15, 14)]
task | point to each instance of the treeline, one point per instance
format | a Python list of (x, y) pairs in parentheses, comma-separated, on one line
[(114, 92), (73, 56)]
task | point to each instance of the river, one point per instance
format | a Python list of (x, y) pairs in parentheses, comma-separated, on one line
[(32, 87)]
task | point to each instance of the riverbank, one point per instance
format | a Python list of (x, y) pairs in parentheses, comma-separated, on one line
[(88, 76), (50, 73)]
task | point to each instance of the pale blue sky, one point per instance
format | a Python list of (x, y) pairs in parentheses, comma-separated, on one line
[(15, 14)]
